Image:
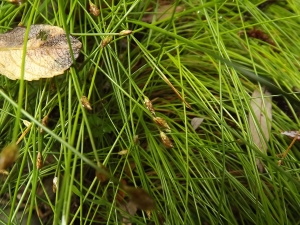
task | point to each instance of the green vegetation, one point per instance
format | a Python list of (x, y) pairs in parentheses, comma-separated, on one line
[(214, 54)]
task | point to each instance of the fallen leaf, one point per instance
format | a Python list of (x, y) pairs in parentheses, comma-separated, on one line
[(8, 156), (292, 134), (47, 53), (163, 12), (260, 119), (127, 209), (196, 122), (139, 197)]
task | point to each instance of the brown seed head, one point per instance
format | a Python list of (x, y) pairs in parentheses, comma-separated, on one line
[(125, 32), (39, 161), (94, 9), (149, 105), (106, 41), (165, 140), (85, 103), (162, 123)]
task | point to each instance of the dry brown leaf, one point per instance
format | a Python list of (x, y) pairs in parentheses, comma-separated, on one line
[(163, 12), (129, 209), (47, 54), (260, 121)]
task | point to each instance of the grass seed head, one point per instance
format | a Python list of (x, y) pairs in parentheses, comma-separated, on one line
[(166, 140), (162, 123), (94, 9)]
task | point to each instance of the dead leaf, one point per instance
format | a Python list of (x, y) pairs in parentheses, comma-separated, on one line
[(196, 122), (163, 12), (128, 209), (47, 54), (139, 197), (260, 121), (292, 134), (8, 156)]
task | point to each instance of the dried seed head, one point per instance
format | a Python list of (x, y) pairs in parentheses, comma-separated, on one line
[(162, 123), (8, 156), (39, 161), (125, 32), (140, 197), (149, 105), (26, 123), (55, 185), (94, 9), (85, 103), (148, 212), (106, 41), (44, 122), (165, 140), (123, 152)]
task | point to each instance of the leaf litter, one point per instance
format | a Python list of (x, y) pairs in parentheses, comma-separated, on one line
[(260, 121), (47, 55)]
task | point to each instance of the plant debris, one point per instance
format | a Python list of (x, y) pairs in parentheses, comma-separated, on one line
[(47, 53), (260, 121)]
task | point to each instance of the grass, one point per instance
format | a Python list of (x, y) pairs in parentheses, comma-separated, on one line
[(203, 52)]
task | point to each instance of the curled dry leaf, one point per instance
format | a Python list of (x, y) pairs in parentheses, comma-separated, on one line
[(47, 53), (85, 103), (163, 12), (8, 156), (260, 121), (196, 122)]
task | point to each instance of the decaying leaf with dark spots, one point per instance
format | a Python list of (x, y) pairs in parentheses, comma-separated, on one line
[(47, 55)]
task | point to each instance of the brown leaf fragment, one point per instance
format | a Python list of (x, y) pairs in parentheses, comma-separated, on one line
[(102, 176), (163, 12), (139, 197), (8, 156), (94, 9), (85, 103), (166, 140), (106, 41), (260, 119), (47, 53), (162, 123), (128, 209)]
